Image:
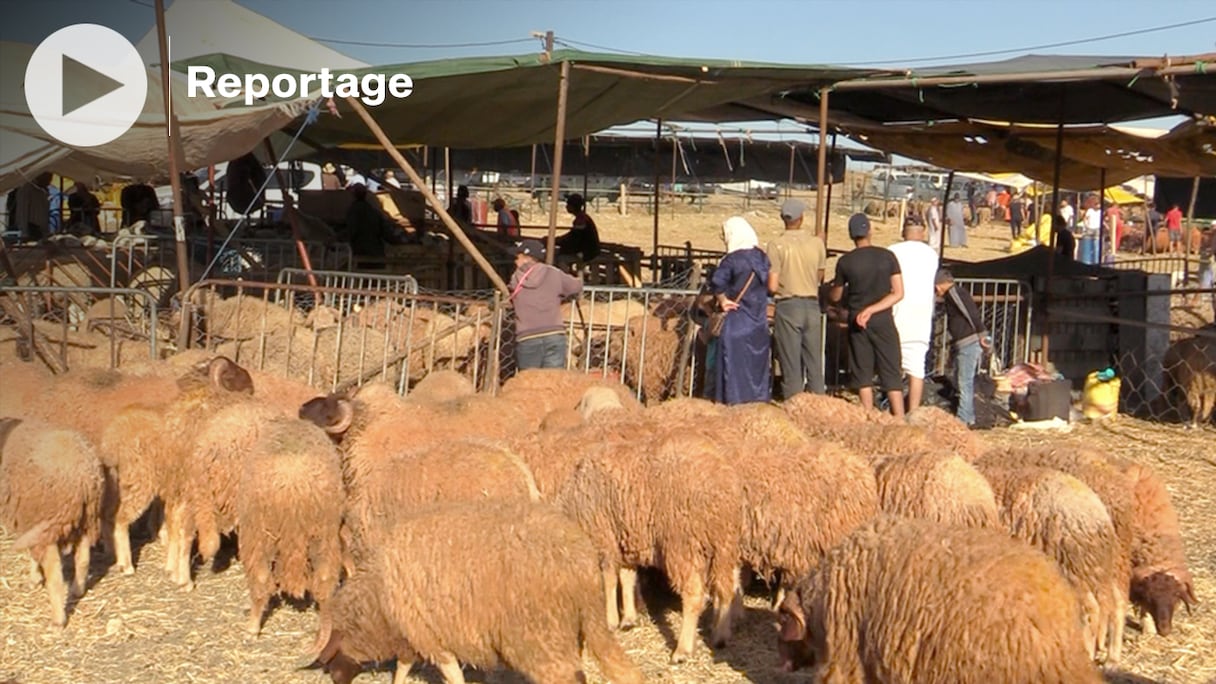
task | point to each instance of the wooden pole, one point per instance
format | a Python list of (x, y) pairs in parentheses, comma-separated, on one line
[(1051, 253), (175, 180), (559, 143), (532, 174), (1186, 235), (442, 212), (447, 174), (789, 185), (292, 219), (827, 207), (654, 254), (1102, 229), (675, 148), (820, 192)]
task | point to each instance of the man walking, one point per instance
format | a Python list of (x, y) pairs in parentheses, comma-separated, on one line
[(874, 284), (968, 338), (914, 313), (798, 258), (955, 223), (537, 291)]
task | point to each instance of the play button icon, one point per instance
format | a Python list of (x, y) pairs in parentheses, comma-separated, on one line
[(85, 85)]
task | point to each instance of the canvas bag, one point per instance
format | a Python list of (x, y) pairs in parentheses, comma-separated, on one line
[(717, 318)]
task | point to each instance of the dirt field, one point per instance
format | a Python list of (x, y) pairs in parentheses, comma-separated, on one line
[(142, 629)]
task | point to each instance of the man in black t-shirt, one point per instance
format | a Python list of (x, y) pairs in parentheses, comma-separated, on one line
[(874, 284)]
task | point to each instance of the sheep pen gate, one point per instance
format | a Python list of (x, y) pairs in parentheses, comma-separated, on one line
[(68, 326), (1006, 309), (333, 337)]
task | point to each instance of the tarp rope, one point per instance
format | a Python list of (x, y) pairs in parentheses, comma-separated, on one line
[(314, 112)]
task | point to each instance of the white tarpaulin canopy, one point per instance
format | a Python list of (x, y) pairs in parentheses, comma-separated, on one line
[(208, 135)]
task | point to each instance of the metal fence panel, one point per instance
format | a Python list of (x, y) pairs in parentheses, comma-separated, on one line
[(151, 259), (61, 315), (1006, 307)]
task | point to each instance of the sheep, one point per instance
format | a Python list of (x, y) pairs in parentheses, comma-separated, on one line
[(648, 353), (560, 420), (409, 604), (800, 501), (441, 385), (289, 508), (146, 448), (836, 419), (897, 601), (947, 432), (1106, 481), (936, 486), (538, 391), (677, 505), (1190, 367), (1160, 578), (685, 409), (596, 399), (51, 487), (1065, 519)]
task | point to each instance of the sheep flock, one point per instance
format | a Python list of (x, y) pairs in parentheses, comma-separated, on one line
[(454, 536)]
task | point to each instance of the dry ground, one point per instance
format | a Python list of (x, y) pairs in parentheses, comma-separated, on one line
[(141, 629)]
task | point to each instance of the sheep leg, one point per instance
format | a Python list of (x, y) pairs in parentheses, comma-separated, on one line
[(258, 600), (726, 606), (1114, 648), (449, 667), (80, 579), (56, 588), (35, 571), (401, 673), (692, 600), (779, 597), (122, 548), (629, 602), (609, 575)]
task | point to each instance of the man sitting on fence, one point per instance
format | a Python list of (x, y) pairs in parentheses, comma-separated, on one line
[(798, 257), (582, 242), (368, 228), (537, 291)]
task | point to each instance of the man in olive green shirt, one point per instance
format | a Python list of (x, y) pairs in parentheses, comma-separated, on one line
[(798, 258)]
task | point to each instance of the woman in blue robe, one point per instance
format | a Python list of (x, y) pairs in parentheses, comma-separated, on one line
[(742, 367)]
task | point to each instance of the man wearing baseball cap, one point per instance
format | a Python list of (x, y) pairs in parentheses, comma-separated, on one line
[(875, 285), (798, 258), (537, 291)]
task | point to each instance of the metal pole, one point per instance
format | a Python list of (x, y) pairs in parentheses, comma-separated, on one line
[(447, 174), (654, 254), (820, 192), (175, 181), (1104, 73), (559, 143), (532, 174), (443, 214), (941, 221), (1051, 253), (586, 162), (1186, 235), (1102, 214)]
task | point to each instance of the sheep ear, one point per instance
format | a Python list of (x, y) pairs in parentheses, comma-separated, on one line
[(346, 416)]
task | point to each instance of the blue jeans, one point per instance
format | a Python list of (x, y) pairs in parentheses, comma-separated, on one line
[(796, 337), (541, 352), (966, 363)]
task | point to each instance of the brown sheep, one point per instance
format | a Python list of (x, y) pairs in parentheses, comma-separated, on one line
[(560, 420), (675, 504), (146, 448), (539, 391), (918, 601), (439, 386), (289, 506), (1160, 578), (1190, 368), (939, 487), (685, 410), (947, 432), (51, 485), (1062, 517), (832, 418), (647, 352), (1105, 480), (408, 603)]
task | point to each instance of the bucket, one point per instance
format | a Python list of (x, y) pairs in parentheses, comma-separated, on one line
[(1100, 398), (1087, 250)]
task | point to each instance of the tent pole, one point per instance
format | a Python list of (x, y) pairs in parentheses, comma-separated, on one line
[(1102, 229), (532, 174), (1051, 254), (447, 174), (586, 162), (214, 212), (789, 184), (559, 143), (292, 219), (1186, 234), (1179, 67), (820, 192), (443, 214), (827, 206), (941, 217), (654, 254), (175, 180)]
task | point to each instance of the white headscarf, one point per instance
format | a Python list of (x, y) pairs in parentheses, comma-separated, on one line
[(739, 234)]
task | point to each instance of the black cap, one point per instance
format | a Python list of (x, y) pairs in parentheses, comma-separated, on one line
[(859, 226), (532, 248)]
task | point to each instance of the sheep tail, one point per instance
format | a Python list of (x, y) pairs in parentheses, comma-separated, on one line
[(35, 536), (614, 663)]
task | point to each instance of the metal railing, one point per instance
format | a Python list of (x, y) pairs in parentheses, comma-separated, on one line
[(675, 265), (136, 259), (341, 281), (337, 337), (131, 315)]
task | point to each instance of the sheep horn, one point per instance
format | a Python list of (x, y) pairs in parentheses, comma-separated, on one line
[(346, 416), (216, 368), (311, 659)]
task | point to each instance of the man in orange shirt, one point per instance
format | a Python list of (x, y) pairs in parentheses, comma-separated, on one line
[(1173, 223)]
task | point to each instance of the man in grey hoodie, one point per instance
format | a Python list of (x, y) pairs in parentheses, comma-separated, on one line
[(537, 291)]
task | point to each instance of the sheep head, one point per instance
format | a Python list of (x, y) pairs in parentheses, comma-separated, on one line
[(1159, 595), (221, 373), (333, 413), (793, 647), (341, 668)]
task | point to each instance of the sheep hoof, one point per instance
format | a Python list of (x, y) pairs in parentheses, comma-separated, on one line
[(627, 625), (128, 569), (678, 657)]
